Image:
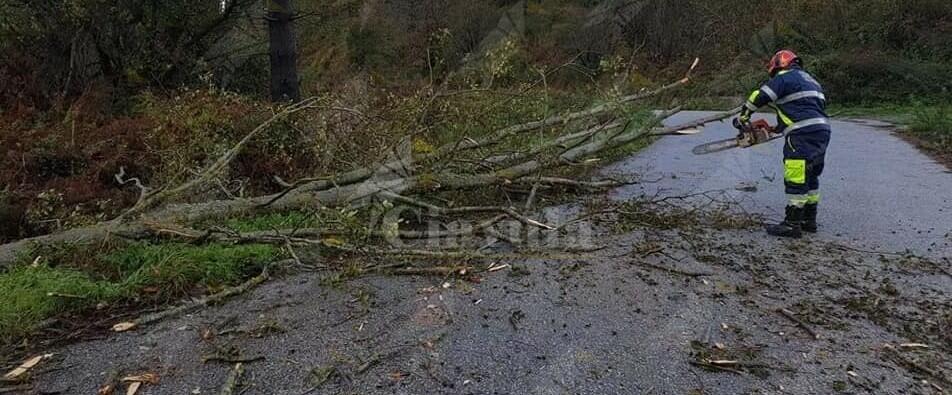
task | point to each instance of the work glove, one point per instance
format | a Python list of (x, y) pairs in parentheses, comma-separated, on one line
[(744, 116)]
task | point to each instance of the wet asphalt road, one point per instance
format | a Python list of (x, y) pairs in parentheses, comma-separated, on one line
[(601, 322), (877, 190)]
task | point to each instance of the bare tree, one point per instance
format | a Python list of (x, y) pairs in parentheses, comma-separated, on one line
[(284, 78)]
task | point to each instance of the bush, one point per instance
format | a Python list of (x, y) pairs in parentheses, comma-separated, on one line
[(856, 77), (932, 127)]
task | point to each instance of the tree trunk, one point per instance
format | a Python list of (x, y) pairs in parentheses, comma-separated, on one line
[(284, 78)]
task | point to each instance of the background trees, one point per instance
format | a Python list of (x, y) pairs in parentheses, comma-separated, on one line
[(56, 48), (60, 48)]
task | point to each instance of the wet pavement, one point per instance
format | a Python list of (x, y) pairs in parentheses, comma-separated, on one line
[(634, 317), (877, 190)]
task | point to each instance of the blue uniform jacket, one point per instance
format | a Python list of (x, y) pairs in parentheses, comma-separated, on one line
[(798, 99)]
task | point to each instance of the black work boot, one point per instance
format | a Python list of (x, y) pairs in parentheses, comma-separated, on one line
[(809, 218), (791, 225)]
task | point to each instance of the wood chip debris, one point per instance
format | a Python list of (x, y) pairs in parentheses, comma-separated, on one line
[(123, 326), (233, 380), (149, 378), (495, 268), (26, 366)]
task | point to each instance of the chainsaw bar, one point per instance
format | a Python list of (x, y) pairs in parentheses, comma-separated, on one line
[(723, 145)]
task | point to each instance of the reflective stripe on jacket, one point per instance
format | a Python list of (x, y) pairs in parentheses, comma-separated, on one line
[(798, 99)]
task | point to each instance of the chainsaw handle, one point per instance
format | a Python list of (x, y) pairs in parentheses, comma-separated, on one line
[(739, 125)]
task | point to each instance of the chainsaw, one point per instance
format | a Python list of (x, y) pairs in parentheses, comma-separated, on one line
[(749, 134)]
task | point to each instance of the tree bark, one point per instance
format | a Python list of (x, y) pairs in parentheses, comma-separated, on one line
[(284, 78)]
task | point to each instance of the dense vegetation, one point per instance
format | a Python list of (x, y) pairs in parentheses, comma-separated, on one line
[(157, 90)]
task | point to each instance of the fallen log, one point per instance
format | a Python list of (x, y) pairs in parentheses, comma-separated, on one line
[(354, 194)]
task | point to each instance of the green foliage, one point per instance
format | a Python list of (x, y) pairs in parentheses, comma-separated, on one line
[(932, 126), (28, 300), (74, 278), (870, 77), (177, 267), (365, 49), (932, 119)]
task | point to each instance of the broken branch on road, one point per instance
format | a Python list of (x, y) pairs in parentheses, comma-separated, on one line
[(413, 175), (803, 325)]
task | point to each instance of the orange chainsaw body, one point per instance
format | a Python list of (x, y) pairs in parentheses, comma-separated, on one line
[(754, 133)]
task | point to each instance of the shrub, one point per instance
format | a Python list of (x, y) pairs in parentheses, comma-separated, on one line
[(932, 125), (877, 76)]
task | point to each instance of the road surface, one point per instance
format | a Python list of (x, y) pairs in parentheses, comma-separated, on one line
[(877, 190), (635, 317)]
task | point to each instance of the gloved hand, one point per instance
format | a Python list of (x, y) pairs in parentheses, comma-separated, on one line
[(744, 116), (739, 123)]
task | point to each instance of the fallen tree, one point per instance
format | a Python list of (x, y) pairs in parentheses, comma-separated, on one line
[(395, 179)]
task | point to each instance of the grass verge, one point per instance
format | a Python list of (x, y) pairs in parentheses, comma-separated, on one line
[(77, 278), (927, 126)]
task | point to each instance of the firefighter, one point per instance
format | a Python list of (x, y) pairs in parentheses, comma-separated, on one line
[(800, 104)]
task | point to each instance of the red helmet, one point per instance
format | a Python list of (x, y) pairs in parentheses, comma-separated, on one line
[(782, 60)]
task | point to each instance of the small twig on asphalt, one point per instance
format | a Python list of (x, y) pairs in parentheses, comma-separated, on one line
[(427, 271), (218, 357), (673, 270), (234, 379), (199, 303), (793, 317), (716, 367), (16, 389), (915, 366)]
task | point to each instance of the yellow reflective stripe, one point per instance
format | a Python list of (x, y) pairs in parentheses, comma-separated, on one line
[(753, 96), (795, 171), (782, 72), (783, 117), (798, 200), (813, 198)]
